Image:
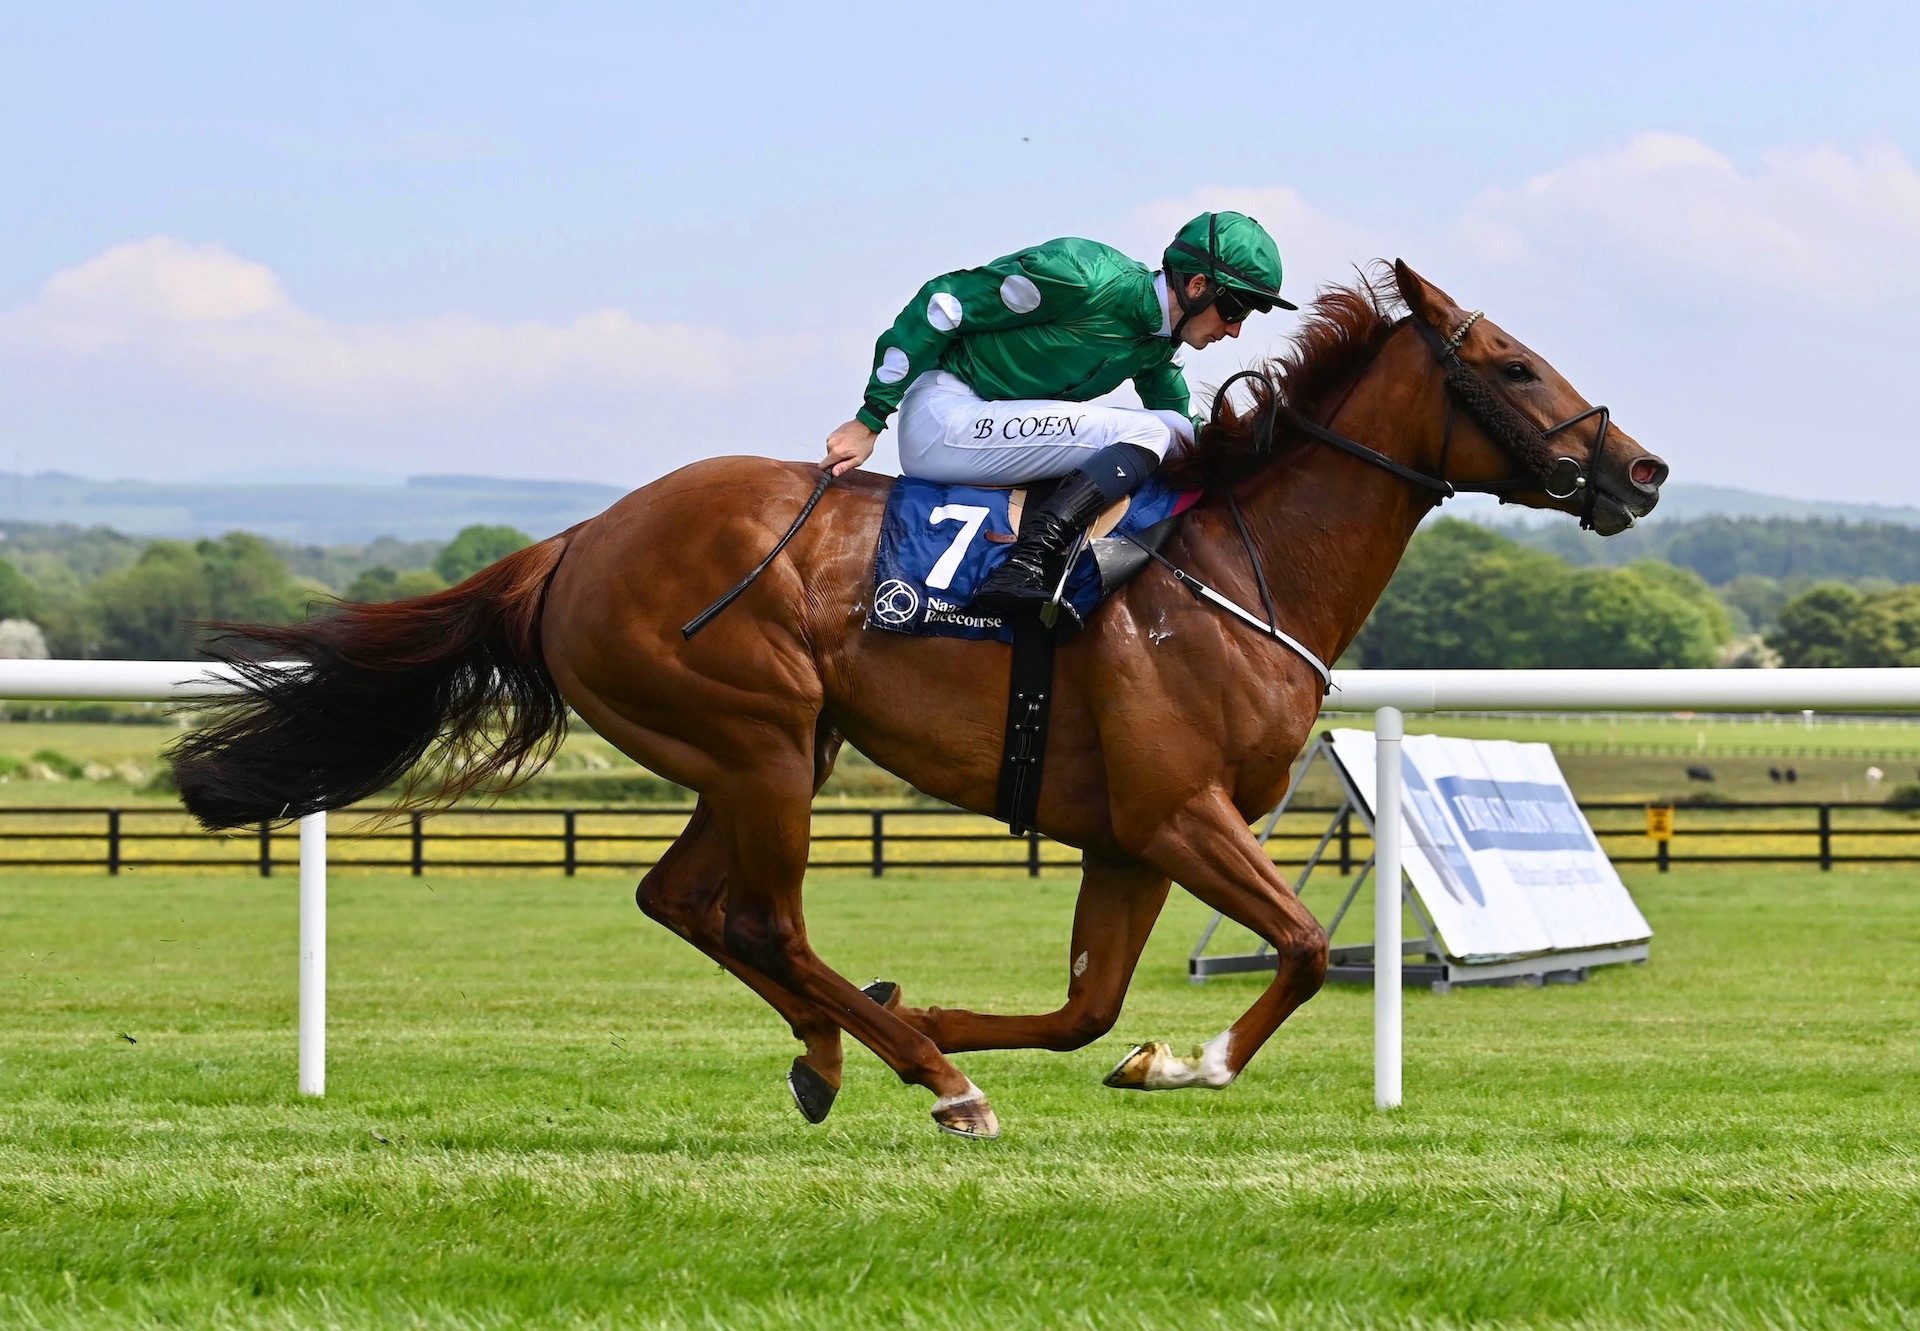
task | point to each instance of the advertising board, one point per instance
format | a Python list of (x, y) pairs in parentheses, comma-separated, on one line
[(1496, 848)]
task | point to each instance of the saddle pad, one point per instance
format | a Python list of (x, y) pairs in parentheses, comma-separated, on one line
[(938, 543)]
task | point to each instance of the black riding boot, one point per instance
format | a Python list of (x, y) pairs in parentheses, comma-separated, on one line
[(1027, 579)]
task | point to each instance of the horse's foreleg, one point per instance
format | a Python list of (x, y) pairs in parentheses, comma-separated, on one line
[(767, 821), (1119, 902), (685, 892), (1207, 849)]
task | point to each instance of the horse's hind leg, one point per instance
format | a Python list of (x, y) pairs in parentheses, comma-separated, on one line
[(1119, 902), (767, 815), (685, 892)]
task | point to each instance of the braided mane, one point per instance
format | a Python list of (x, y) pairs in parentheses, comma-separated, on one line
[(1339, 333)]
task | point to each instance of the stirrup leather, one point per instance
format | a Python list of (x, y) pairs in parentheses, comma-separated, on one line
[(1032, 565)]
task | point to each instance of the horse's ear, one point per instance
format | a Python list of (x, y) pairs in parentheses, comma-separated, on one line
[(1424, 298)]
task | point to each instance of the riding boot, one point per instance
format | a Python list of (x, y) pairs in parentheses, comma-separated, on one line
[(1027, 579)]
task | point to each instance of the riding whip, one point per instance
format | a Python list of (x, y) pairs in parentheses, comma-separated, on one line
[(706, 617)]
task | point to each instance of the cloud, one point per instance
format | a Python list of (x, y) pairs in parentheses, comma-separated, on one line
[(1655, 272), (1730, 311), (201, 315), (1818, 223)]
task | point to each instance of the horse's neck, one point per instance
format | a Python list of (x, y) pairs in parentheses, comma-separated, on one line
[(1332, 529)]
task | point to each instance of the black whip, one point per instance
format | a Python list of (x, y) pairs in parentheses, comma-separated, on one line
[(706, 617)]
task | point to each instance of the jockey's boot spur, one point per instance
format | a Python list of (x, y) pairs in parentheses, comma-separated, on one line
[(1026, 580)]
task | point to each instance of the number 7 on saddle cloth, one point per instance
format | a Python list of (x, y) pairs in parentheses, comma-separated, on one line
[(938, 543)]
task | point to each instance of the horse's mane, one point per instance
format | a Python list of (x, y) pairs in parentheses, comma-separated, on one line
[(1340, 332)]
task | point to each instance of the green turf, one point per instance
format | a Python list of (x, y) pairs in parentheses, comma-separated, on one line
[(544, 1111)]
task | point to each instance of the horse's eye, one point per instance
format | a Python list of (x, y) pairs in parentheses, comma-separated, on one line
[(1517, 371)]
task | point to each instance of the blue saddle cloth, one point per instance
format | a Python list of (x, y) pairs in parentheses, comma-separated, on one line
[(938, 543)]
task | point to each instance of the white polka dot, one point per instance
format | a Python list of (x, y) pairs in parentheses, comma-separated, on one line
[(943, 312), (1019, 294), (893, 366)]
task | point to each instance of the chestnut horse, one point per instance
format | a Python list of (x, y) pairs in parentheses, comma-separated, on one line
[(1174, 724)]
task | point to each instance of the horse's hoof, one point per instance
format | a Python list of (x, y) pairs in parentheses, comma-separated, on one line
[(1130, 1073), (812, 1093), (884, 992), (972, 1117)]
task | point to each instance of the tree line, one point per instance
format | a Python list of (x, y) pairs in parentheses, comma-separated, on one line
[(1793, 552), (1465, 597), (147, 605)]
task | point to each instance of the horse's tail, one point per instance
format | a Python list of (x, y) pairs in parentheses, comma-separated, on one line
[(455, 678)]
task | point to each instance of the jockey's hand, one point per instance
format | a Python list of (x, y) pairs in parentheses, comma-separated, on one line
[(847, 447)]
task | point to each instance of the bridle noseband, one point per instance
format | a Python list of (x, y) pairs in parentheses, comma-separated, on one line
[(1557, 475)]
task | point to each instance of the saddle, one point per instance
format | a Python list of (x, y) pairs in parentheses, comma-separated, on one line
[(938, 543)]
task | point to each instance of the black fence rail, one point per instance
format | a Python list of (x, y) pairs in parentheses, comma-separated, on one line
[(1824, 833), (876, 840)]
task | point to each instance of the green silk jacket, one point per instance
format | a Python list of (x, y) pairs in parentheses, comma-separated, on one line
[(1064, 321)]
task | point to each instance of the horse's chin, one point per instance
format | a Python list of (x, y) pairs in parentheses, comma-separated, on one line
[(1611, 517)]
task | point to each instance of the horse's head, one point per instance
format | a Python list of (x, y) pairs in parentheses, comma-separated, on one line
[(1524, 433)]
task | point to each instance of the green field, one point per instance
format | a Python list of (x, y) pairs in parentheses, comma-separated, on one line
[(544, 1111), (1715, 735)]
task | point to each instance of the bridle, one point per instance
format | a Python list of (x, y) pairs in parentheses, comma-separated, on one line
[(1560, 476), (1557, 475)]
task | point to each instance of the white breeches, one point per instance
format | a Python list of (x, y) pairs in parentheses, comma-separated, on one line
[(949, 433)]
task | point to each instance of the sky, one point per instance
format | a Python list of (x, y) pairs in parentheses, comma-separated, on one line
[(600, 241)]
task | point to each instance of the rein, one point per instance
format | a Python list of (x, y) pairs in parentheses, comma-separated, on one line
[(1558, 476), (1202, 592)]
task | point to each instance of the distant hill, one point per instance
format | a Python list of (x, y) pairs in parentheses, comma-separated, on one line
[(1790, 550), (423, 508), (435, 507), (1681, 502)]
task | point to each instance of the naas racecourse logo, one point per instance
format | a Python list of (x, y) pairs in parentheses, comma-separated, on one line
[(894, 602)]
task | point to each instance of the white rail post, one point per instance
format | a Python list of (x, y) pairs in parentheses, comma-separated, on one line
[(313, 954), (1388, 726)]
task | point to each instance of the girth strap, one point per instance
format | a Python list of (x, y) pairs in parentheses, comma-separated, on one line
[(1023, 753)]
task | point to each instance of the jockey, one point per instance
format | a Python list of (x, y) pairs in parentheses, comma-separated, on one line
[(987, 367)]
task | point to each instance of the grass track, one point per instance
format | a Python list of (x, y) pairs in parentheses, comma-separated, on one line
[(544, 1111)]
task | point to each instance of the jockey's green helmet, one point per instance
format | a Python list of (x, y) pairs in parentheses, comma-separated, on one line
[(1231, 250)]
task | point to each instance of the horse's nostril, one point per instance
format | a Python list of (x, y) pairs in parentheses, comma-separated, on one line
[(1648, 473)]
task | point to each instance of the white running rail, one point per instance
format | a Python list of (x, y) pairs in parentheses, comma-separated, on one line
[(1390, 693)]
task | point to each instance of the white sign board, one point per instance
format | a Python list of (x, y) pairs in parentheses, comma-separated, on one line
[(1503, 860)]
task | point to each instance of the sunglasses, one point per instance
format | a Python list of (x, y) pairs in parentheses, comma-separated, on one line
[(1237, 305)]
